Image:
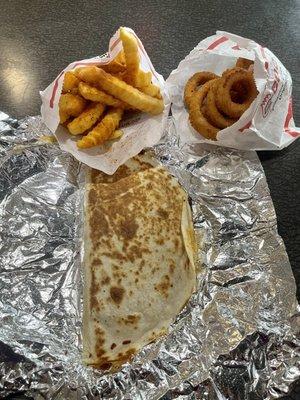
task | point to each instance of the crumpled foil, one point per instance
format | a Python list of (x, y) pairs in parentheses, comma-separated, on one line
[(236, 338)]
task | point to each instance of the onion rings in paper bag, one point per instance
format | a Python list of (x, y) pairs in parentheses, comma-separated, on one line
[(268, 123)]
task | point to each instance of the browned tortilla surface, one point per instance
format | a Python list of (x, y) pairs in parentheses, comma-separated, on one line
[(138, 263)]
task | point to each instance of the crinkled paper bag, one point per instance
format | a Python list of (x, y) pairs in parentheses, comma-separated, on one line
[(141, 131), (268, 123)]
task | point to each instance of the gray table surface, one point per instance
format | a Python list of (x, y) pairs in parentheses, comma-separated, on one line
[(39, 38)]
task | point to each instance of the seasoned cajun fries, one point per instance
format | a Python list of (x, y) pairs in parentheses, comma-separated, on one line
[(121, 90), (95, 98)]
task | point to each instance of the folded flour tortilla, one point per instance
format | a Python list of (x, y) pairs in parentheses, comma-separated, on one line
[(139, 261)]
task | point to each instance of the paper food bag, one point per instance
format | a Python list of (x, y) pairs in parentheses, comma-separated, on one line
[(142, 131), (268, 123)]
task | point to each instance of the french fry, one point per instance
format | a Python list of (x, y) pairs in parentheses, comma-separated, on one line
[(103, 130), (134, 75), (70, 83), (131, 54), (116, 134), (63, 116), (94, 94), (71, 105), (114, 67), (120, 90), (142, 79), (151, 90), (121, 57), (86, 119), (120, 75), (117, 66)]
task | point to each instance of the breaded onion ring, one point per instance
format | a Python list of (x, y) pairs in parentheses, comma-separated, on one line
[(204, 111), (227, 83), (239, 93), (212, 112), (243, 63), (197, 118), (192, 85)]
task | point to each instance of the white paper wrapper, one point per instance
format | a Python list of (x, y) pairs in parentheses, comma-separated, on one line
[(268, 123), (140, 132)]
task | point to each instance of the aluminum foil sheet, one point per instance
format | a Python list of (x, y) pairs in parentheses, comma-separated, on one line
[(236, 338)]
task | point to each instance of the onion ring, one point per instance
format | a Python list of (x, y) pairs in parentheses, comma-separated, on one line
[(212, 112), (238, 93), (243, 63), (197, 119), (223, 98), (198, 79), (204, 111)]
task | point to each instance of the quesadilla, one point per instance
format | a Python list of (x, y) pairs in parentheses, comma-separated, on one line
[(139, 267), (138, 163)]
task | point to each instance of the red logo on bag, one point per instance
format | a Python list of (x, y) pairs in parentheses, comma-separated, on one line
[(267, 102), (275, 86), (247, 126), (289, 116), (217, 42)]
